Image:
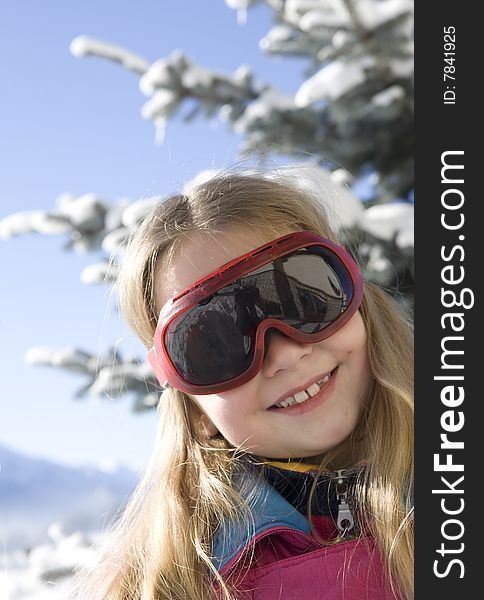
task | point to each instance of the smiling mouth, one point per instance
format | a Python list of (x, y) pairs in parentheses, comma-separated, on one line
[(303, 395)]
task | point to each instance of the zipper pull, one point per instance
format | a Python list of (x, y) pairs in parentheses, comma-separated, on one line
[(345, 521)]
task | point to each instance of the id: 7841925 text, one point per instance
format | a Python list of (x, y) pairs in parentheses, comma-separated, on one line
[(449, 67)]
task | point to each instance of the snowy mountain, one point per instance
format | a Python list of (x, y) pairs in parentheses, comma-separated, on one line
[(36, 492)]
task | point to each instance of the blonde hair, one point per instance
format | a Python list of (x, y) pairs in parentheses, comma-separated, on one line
[(160, 548)]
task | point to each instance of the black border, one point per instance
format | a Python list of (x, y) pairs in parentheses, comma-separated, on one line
[(447, 127)]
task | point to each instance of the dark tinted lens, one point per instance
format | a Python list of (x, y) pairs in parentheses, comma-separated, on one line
[(214, 341), (307, 290)]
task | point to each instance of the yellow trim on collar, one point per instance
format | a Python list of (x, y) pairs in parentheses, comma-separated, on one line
[(300, 467)]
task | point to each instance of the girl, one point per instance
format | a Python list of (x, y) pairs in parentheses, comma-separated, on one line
[(283, 465)]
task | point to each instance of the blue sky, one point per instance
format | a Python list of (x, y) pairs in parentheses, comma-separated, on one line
[(71, 125)]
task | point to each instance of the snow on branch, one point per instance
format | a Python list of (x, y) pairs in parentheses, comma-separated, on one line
[(109, 375), (371, 14), (169, 81), (69, 358), (375, 14), (84, 45), (388, 96), (390, 221), (37, 221), (333, 80), (330, 114), (92, 223)]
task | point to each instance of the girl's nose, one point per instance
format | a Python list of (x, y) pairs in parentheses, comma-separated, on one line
[(282, 353)]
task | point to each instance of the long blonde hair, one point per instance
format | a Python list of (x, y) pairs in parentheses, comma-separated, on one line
[(160, 548)]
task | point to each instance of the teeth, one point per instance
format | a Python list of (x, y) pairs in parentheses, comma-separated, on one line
[(325, 380), (287, 402), (303, 395), (313, 389)]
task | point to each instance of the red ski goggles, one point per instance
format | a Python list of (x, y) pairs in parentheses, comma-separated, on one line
[(210, 337)]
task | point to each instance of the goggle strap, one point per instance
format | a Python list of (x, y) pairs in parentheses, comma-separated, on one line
[(156, 367)]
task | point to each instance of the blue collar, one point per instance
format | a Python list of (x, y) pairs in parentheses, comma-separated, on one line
[(268, 508)]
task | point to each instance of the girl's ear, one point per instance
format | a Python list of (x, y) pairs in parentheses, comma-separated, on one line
[(207, 426)]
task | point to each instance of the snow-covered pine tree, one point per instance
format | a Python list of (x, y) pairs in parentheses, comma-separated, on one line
[(353, 115)]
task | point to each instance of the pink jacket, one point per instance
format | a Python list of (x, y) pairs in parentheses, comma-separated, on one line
[(288, 563)]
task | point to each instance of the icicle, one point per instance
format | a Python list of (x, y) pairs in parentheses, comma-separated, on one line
[(160, 130)]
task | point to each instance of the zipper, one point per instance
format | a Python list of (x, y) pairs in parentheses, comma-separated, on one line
[(345, 522)]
